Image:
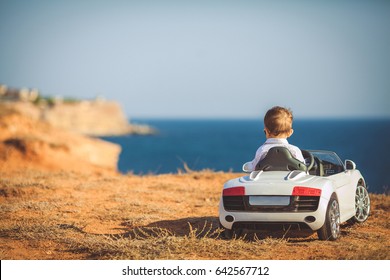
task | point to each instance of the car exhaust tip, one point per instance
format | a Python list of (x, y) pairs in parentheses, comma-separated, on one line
[(310, 219), (229, 218)]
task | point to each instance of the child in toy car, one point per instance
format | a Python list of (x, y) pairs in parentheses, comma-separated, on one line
[(277, 128)]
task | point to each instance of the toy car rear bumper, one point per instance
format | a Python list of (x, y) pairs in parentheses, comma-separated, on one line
[(313, 219)]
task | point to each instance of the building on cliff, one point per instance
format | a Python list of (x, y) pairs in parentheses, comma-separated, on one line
[(12, 94)]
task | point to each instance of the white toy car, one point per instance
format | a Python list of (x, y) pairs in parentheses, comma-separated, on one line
[(321, 194)]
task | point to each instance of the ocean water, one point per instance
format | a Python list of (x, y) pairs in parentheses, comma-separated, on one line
[(224, 145)]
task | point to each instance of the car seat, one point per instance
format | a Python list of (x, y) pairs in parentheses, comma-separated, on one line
[(279, 159)]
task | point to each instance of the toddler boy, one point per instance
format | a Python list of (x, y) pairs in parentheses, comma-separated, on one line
[(277, 128)]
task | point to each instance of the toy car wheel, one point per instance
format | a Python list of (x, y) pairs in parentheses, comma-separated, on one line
[(362, 205), (331, 228), (228, 233)]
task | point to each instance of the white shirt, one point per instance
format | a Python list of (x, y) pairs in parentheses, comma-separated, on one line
[(276, 142)]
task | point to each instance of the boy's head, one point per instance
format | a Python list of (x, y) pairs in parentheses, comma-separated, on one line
[(278, 122)]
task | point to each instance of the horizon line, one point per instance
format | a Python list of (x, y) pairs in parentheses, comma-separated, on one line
[(316, 118)]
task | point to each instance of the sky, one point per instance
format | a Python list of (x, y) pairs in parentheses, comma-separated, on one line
[(203, 59)]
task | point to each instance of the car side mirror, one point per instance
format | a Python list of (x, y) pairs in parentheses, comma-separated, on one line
[(350, 165), (247, 167)]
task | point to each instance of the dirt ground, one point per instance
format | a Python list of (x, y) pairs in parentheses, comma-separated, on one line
[(98, 215)]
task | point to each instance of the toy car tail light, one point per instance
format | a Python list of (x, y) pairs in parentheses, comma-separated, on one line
[(305, 191), (235, 191)]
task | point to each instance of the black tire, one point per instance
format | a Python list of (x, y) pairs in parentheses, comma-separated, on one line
[(331, 228), (230, 233), (226, 233), (362, 205)]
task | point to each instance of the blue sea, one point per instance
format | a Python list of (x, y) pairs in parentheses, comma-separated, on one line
[(224, 145)]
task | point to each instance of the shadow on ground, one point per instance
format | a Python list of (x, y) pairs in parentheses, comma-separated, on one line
[(209, 227)]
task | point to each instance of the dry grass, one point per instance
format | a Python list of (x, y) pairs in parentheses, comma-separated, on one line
[(68, 215)]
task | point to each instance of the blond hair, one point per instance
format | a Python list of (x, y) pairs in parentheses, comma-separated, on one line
[(278, 120)]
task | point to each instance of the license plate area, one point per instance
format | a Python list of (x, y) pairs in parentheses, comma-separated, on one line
[(269, 200)]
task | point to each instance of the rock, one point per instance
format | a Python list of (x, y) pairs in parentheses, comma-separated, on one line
[(93, 118), (27, 142)]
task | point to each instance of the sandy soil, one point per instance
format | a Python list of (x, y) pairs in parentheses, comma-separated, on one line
[(69, 215)]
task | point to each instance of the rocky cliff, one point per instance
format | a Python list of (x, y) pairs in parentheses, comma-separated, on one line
[(54, 135), (95, 118), (26, 142)]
